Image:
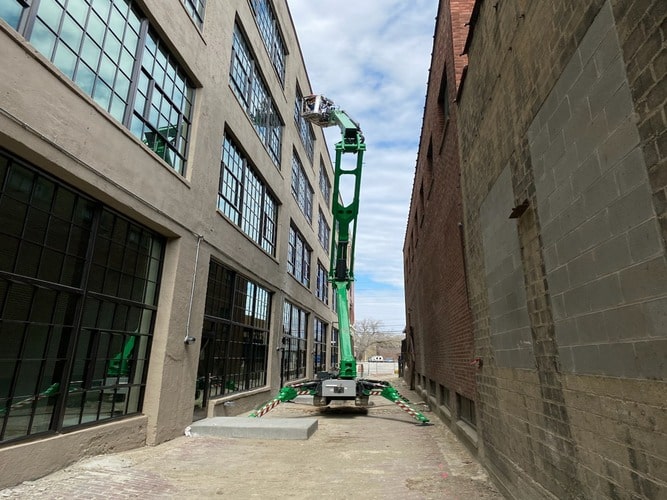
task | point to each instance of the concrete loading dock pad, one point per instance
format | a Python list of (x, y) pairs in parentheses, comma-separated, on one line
[(255, 428)]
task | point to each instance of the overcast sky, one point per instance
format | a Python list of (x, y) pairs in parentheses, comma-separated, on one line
[(371, 57)]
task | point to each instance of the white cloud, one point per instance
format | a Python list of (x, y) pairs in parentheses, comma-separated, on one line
[(371, 57)]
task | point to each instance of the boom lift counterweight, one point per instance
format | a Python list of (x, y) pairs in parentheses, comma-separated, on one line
[(341, 384)]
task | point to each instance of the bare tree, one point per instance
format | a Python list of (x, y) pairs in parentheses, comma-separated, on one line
[(367, 334)]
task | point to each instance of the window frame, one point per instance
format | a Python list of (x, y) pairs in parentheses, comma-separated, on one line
[(108, 65), (299, 255), (234, 181)]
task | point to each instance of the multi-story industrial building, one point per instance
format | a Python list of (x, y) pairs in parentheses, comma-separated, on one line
[(164, 222), (561, 121)]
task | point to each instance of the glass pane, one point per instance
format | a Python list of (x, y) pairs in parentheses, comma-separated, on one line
[(85, 78), (11, 11), (12, 216), (51, 265), (102, 94), (96, 29), (112, 47), (117, 108), (101, 7), (117, 22), (43, 414), (50, 12), (107, 70), (91, 52), (126, 62), (71, 33), (78, 9), (65, 59)]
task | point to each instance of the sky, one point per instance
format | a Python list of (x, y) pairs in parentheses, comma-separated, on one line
[(371, 57)]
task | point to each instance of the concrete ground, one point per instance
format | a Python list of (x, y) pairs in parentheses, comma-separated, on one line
[(379, 453)]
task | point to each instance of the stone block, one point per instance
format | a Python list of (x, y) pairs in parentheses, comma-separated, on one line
[(655, 312), (612, 255), (645, 280), (623, 323), (255, 428), (631, 210), (604, 293)]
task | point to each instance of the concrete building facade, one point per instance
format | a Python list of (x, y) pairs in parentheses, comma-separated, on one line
[(164, 219), (562, 127)]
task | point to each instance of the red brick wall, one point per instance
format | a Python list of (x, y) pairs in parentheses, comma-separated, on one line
[(436, 296)]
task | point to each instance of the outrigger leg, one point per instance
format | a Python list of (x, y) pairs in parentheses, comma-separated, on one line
[(387, 391), (286, 394)]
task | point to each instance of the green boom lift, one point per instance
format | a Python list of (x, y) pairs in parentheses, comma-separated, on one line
[(342, 384)]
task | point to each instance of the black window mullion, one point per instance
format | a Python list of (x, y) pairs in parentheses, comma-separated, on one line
[(60, 406)]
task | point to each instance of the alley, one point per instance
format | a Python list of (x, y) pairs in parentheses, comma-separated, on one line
[(381, 453)]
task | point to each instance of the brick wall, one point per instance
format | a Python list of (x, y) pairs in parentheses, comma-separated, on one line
[(563, 107), (438, 314)]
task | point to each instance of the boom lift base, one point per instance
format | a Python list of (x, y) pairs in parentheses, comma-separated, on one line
[(326, 390)]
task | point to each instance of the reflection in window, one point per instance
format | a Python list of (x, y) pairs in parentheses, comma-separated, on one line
[(323, 231), (325, 184), (236, 324), (334, 347), (163, 104), (319, 346), (305, 129), (98, 45), (273, 41), (78, 295), (254, 97), (301, 188), (245, 199), (322, 283), (298, 257), (295, 338)]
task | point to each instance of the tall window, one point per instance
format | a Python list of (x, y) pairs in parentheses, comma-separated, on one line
[(269, 29), (245, 199), (325, 184), (196, 10), (101, 46), (236, 325), (78, 297), (323, 231), (298, 257), (295, 338), (253, 95), (443, 100), (305, 129), (320, 346), (334, 347), (322, 283), (301, 188)]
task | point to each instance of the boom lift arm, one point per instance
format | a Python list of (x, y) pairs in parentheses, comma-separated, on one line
[(321, 111), (343, 384)]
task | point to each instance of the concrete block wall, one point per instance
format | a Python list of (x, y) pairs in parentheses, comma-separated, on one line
[(563, 109)]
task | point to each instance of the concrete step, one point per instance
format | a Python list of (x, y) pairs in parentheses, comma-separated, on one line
[(255, 428)]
